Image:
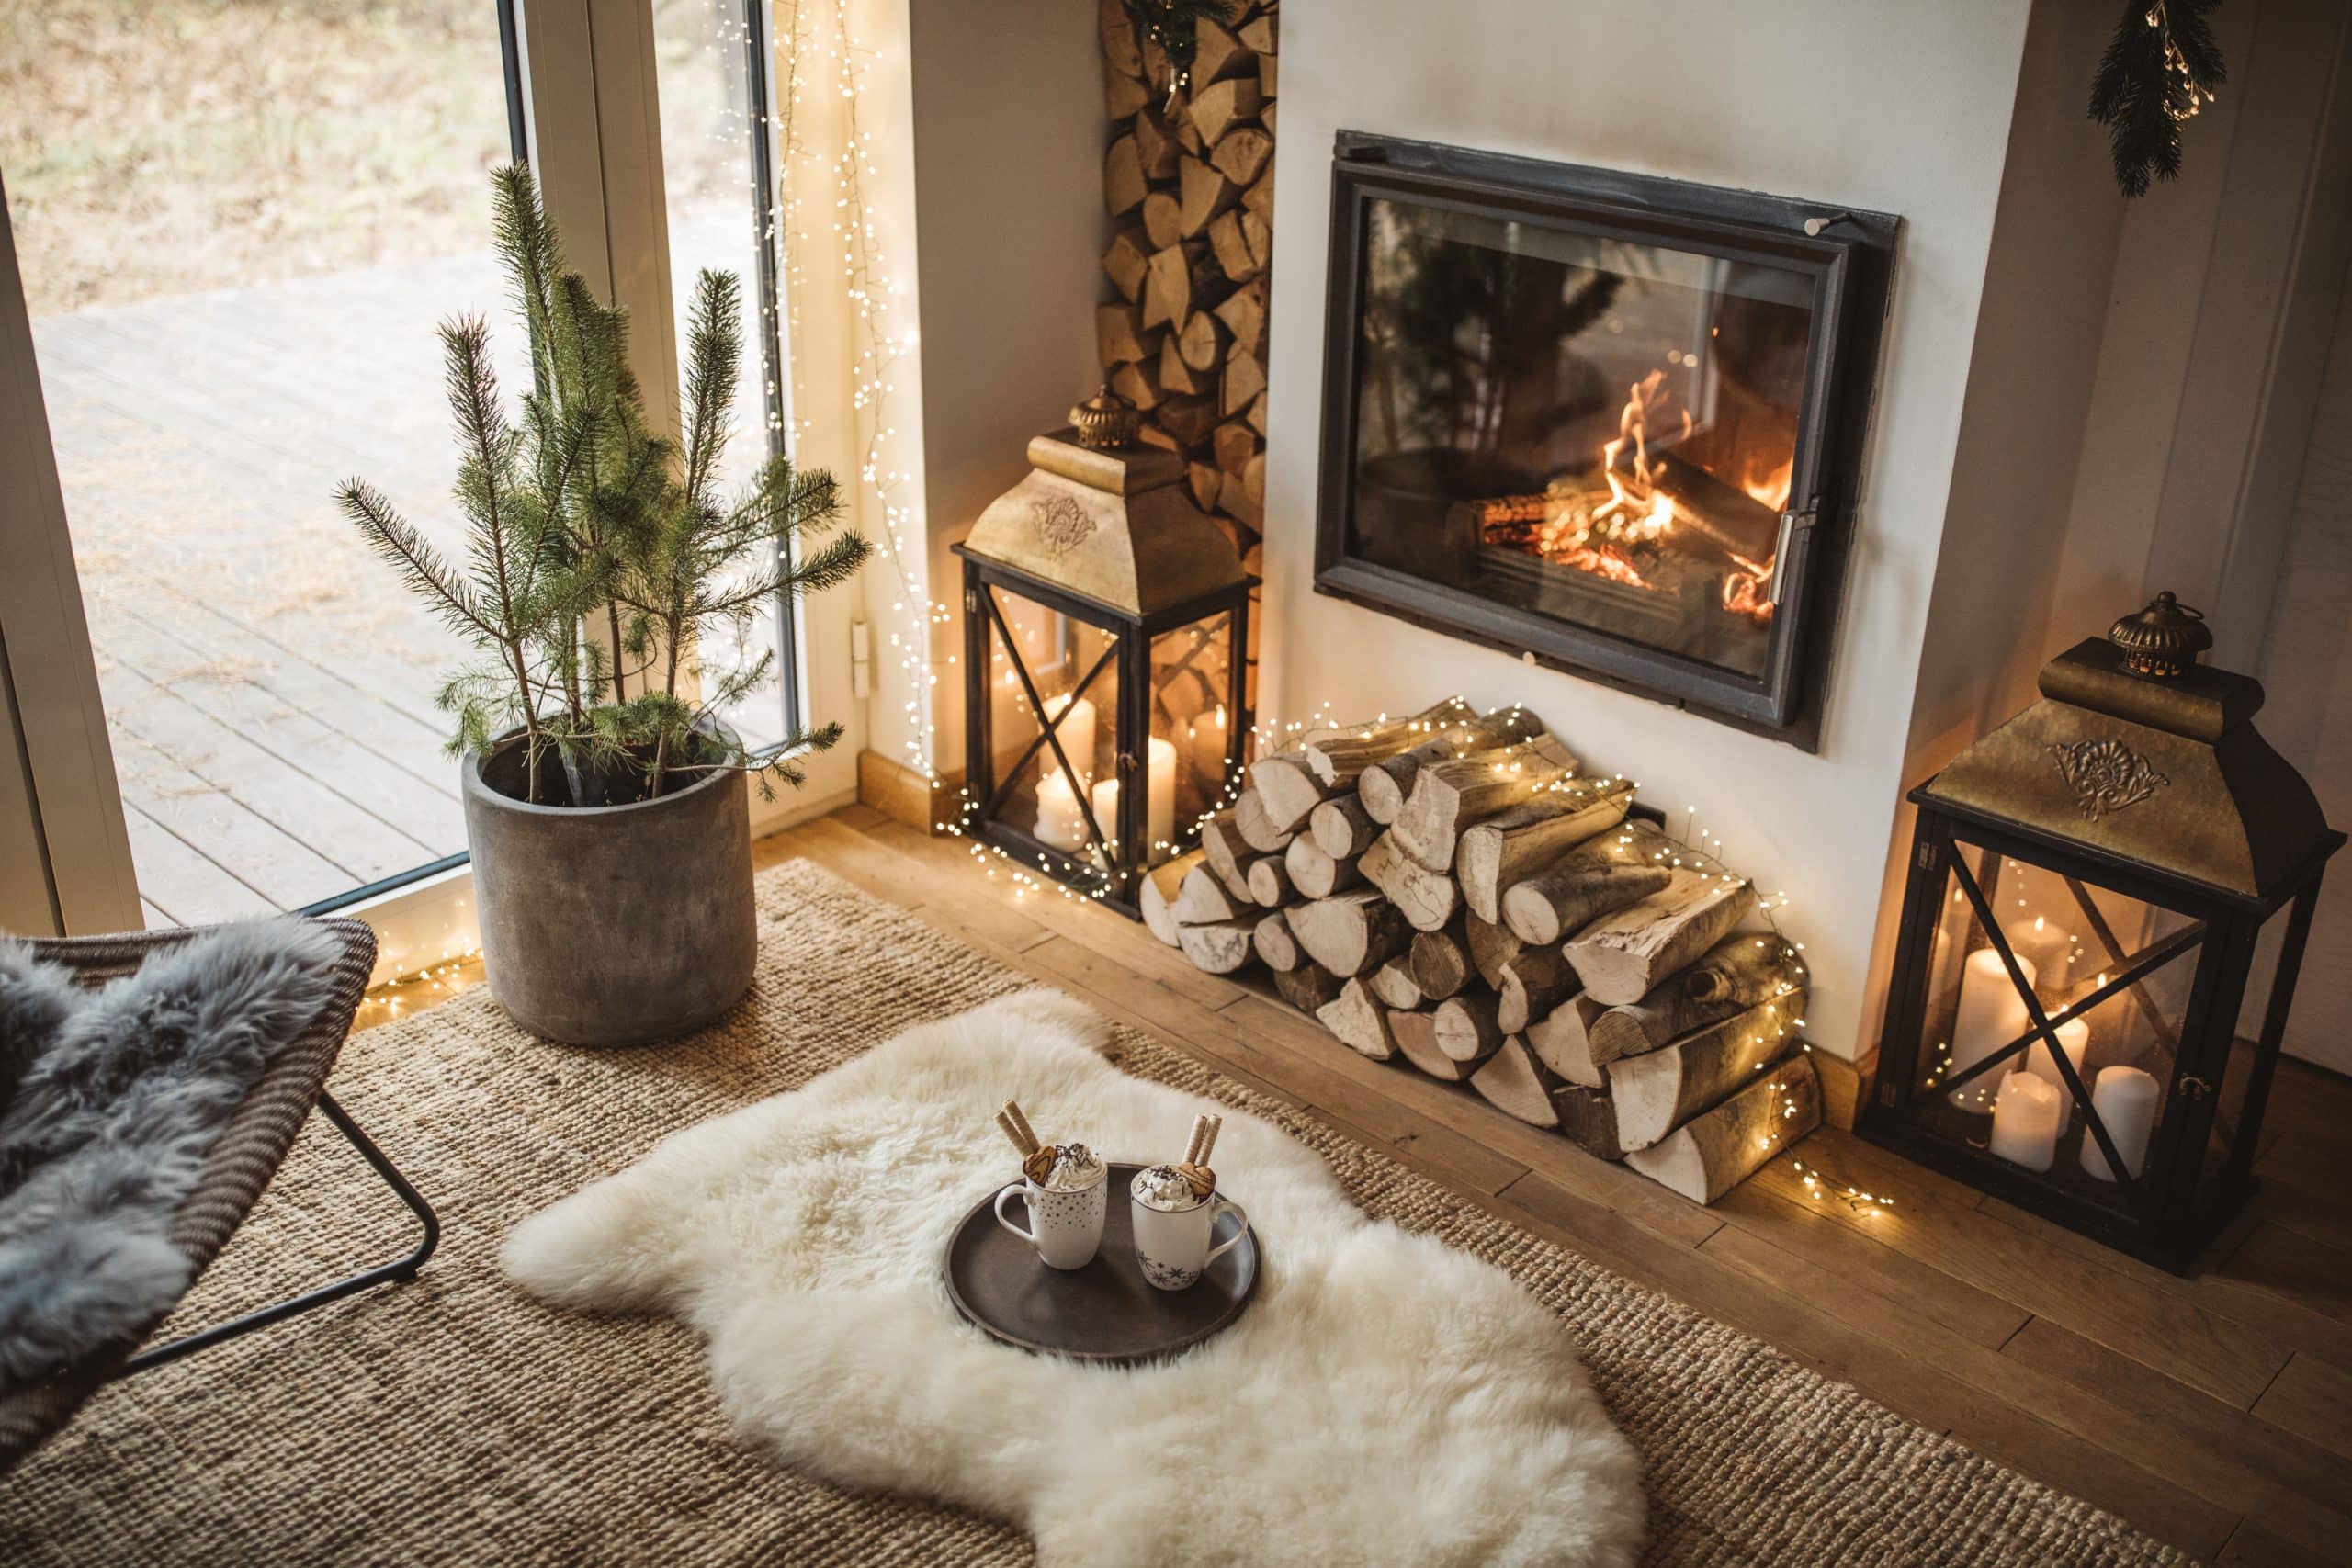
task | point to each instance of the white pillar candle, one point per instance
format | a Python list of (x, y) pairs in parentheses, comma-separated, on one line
[(1210, 735), (1076, 733), (2026, 1119), (2125, 1099), (1159, 805), (2046, 951), (1991, 1015), (1106, 812), (1059, 822), (2073, 1038)]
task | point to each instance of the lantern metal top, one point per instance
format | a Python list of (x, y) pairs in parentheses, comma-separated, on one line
[(2135, 751), (2162, 641), (1105, 422), (1112, 525)]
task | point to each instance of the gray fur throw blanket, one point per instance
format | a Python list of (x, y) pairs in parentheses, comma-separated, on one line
[(109, 1101)]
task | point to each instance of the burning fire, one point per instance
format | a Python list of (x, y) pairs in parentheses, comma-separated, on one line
[(1647, 511)]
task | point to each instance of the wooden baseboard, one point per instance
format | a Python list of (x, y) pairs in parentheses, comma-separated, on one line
[(1843, 1085), (902, 794)]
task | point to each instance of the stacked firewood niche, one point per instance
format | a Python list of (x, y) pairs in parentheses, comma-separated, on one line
[(1449, 892), (1189, 178)]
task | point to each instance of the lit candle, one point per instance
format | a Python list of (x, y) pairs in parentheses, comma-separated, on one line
[(1105, 797), (1159, 805), (2073, 1037), (2125, 1099), (1209, 749), (1059, 823), (1076, 732), (2026, 1119), (2046, 951), (1991, 1015)]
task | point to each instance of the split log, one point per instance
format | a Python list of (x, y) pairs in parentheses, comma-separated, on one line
[(1120, 51), (1220, 106), (1314, 873), (1217, 53), (1202, 899), (1125, 262), (1233, 495), (1161, 887), (1218, 949), (1124, 186), (1228, 851), (1736, 974), (1535, 981), (1120, 337), (1310, 987), (1270, 882), (1350, 933), (1417, 1041), (1426, 898), (1466, 1030), (1201, 194), (1564, 1041), (1289, 791), (1440, 962), (1201, 344), (1168, 288), (1253, 480), (1234, 443), (1241, 154), (1359, 1020), (1256, 827), (1202, 479), (1188, 421), (1163, 220), (1257, 417), (1449, 797), (1123, 95), (1174, 375), (1620, 957), (1245, 381), (1157, 147), (1258, 33), (1269, 84), (1131, 382), (1244, 315), (1394, 983), (1491, 948), (1597, 878), (1497, 854), (1589, 1120), (1657, 1092), (1340, 754), (1516, 1082), (1231, 248), (1274, 943), (1260, 197), (1385, 783), (1711, 1154), (1342, 827)]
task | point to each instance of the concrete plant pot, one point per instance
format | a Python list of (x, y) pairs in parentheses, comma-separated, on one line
[(611, 925)]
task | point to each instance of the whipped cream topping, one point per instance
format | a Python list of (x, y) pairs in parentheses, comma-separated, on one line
[(1076, 1168), (1163, 1186)]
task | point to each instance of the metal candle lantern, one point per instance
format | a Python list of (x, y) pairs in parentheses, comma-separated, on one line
[(2106, 909), (1106, 630)]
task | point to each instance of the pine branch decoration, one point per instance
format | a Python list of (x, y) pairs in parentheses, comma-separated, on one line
[(2160, 70), (1168, 25)]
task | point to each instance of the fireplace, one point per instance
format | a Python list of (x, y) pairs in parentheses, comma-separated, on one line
[(1608, 422)]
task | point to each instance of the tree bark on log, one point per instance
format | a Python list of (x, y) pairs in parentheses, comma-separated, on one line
[(1467, 1029), (1310, 987), (1449, 797), (1342, 827), (1714, 1152), (1317, 874), (1516, 1082), (1359, 1020), (1657, 1092), (1491, 949), (1339, 755), (1385, 783), (1535, 981), (1274, 943), (1256, 827), (1621, 956), (1352, 932), (1162, 885), (1270, 882), (1288, 790), (1416, 1042), (1563, 1040), (1218, 949), (1394, 983), (1736, 974), (1599, 877), (1428, 898), (1589, 1120), (1203, 899), (1497, 854), (1440, 962)]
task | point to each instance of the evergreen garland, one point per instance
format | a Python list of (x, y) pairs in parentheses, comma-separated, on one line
[(2161, 68), (1168, 25)]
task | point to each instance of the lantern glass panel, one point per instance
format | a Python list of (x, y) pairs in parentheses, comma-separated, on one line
[(2114, 973), (1072, 668), (1192, 687)]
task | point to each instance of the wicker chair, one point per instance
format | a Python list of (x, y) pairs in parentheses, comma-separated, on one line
[(252, 1146)]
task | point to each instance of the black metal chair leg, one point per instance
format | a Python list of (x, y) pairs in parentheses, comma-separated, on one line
[(402, 1269)]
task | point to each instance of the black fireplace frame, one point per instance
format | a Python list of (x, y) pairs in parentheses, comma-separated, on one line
[(1850, 255)]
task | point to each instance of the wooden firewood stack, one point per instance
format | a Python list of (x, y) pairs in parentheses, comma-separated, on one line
[(1189, 180), (1448, 892)]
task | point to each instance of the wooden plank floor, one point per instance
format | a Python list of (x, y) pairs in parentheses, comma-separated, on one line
[(2212, 1412)]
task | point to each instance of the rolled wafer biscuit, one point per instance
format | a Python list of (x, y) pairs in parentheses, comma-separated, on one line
[(1027, 1135)]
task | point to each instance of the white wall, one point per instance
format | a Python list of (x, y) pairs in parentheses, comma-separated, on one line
[(1901, 107)]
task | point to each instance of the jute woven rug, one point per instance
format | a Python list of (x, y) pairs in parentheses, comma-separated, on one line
[(453, 1420)]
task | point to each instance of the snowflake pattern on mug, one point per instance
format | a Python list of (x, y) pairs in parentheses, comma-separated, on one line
[(1166, 1277)]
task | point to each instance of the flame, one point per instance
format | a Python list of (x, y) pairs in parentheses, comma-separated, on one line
[(1649, 510), (1743, 590), (1771, 486)]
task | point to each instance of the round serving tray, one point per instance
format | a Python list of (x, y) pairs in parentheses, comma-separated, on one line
[(1105, 1311)]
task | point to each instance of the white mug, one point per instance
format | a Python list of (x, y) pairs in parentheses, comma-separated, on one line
[(1064, 1225), (1172, 1245)]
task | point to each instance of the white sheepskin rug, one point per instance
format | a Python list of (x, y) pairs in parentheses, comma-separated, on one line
[(1383, 1400)]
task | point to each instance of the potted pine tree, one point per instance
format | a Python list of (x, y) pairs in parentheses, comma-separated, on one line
[(607, 807)]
